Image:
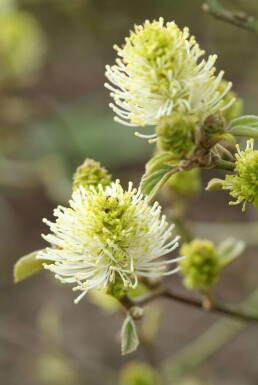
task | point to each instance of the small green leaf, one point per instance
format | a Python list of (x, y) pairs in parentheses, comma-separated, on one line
[(27, 266), (153, 181), (129, 337), (244, 126), (229, 250), (159, 159), (215, 184)]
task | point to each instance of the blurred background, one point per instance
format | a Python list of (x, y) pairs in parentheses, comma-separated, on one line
[(53, 114)]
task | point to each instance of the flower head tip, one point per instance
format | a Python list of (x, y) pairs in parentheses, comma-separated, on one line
[(159, 72)]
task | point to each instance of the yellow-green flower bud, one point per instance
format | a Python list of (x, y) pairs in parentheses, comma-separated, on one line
[(201, 266), (185, 183), (91, 173), (176, 134), (244, 184)]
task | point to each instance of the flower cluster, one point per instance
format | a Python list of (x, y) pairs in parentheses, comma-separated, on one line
[(108, 235), (244, 184), (202, 266), (159, 72)]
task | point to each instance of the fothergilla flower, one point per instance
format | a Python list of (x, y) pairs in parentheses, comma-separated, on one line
[(158, 72), (108, 235)]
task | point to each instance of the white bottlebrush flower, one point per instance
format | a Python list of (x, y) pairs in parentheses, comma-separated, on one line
[(108, 235), (159, 71)]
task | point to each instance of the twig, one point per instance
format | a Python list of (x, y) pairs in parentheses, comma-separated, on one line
[(240, 19), (128, 303)]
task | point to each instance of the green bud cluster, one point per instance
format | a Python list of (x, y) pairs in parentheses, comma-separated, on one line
[(201, 266), (244, 184), (176, 134), (91, 173)]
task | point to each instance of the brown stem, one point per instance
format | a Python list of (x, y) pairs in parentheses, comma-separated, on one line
[(183, 299)]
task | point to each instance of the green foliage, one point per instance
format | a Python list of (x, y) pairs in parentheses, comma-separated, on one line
[(27, 266), (129, 337), (229, 250), (152, 181), (244, 126), (159, 158)]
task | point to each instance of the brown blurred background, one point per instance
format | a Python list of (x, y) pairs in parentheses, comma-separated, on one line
[(53, 113)]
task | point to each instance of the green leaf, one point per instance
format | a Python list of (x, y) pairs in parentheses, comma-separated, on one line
[(129, 337), (159, 159), (27, 266), (154, 180), (244, 126), (229, 250)]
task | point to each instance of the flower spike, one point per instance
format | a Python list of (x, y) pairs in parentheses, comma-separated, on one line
[(108, 235)]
